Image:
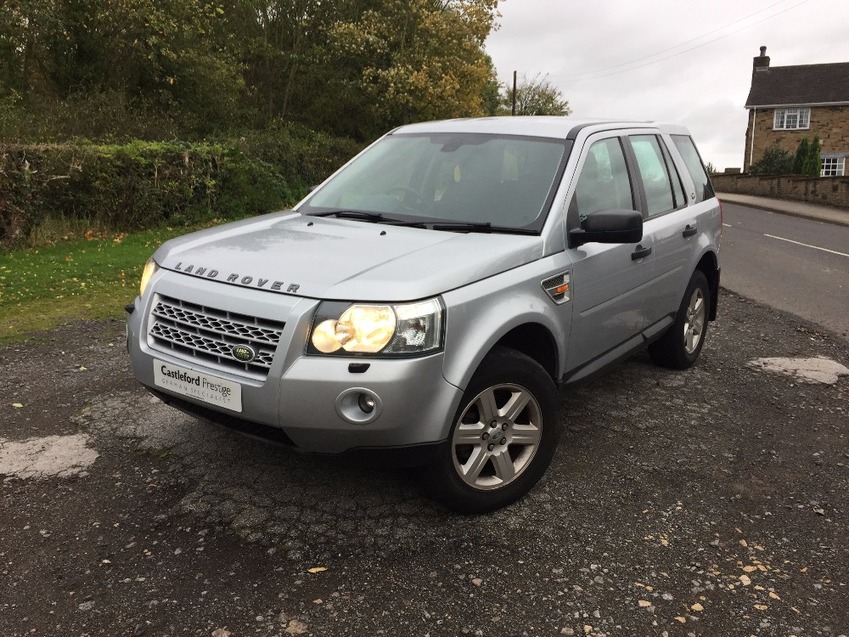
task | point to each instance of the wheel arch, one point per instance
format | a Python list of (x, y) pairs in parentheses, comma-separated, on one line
[(534, 335), (709, 266), (535, 341)]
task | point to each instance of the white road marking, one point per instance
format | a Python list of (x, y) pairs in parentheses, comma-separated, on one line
[(727, 225), (807, 245)]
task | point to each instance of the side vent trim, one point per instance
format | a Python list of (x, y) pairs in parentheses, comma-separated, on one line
[(558, 288)]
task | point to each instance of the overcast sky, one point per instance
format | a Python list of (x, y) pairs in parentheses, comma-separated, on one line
[(686, 61)]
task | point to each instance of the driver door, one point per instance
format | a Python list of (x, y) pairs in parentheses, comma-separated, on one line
[(609, 281)]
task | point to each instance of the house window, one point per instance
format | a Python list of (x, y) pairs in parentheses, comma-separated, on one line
[(792, 119), (833, 166)]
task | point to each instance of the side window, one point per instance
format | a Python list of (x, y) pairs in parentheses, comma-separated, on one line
[(695, 167), (675, 178), (604, 183), (654, 173)]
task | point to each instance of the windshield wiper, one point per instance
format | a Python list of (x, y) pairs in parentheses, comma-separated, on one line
[(350, 214), (452, 226), (374, 217), (477, 226)]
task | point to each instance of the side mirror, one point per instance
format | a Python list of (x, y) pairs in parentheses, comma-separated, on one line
[(608, 226)]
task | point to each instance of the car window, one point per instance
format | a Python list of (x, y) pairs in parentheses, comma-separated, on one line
[(604, 183), (505, 180), (680, 199), (695, 167), (654, 173)]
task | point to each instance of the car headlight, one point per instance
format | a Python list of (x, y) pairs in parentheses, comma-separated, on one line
[(408, 329), (150, 269)]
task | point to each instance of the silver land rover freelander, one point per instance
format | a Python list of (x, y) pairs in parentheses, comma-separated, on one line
[(430, 298)]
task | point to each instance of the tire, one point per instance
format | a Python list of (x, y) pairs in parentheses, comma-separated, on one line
[(495, 455), (680, 346)]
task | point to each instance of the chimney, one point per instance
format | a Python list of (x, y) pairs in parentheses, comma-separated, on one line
[(761, 62)]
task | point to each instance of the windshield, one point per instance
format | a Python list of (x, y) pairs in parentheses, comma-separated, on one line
[(506, 181)]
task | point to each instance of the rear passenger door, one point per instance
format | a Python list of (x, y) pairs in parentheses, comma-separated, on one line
[(667, 219)]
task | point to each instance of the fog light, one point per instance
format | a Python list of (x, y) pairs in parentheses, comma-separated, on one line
[(365, 403), (358, 405)]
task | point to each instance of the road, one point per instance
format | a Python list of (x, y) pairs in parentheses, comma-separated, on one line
[(790, 263)]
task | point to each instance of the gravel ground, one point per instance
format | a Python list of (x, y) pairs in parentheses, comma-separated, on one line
[(711, 502)]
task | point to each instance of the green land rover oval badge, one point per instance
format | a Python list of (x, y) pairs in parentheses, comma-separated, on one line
[(243, 353)]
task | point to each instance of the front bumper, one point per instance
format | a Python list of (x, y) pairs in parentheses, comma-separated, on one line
[(308, 399), (396, 457)]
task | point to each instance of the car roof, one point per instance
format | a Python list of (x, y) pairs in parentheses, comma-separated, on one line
[(533, 126)]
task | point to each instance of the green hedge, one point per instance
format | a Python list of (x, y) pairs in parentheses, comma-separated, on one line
[(142, 185)]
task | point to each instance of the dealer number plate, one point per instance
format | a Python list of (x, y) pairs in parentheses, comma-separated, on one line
[(197, 385)]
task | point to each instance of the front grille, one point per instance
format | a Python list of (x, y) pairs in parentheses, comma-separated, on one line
[(209, 335)]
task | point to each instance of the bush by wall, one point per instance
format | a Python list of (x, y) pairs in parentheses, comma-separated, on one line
[(141, 185)]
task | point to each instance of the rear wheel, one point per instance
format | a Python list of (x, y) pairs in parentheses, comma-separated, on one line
[(503, 438), (680, 346)]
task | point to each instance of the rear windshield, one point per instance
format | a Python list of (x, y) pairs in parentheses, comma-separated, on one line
[(694, 164), (507, 181)]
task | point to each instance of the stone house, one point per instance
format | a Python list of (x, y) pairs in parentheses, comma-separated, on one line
[(788, 103)]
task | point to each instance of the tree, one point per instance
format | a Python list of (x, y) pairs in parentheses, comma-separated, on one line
[(169, 56), (802, 152), (775, 161), (491, 92), (535, 96), (807, 160), (107, 68), (402, 62), (812, 166)]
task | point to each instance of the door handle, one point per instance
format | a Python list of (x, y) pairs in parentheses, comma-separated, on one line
[(640, 253), (689, 231)]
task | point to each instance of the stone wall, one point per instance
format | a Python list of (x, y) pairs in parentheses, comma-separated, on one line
[(829, 191), (831, 123)]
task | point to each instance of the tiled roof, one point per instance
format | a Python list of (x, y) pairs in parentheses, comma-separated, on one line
[(800, 85)]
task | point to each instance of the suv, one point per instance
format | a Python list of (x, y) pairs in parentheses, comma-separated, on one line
[(430, 297)]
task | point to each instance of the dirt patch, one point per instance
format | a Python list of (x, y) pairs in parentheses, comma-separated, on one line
[(806, 370), (46, 457)]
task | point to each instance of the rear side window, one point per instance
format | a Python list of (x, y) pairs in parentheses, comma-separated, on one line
[(694, 164), (657, 181)]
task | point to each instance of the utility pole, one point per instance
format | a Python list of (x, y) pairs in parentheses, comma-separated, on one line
[(513, 111)]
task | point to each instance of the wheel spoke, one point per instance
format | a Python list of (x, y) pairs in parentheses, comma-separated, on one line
[(504, 468), (695, 321), (525, 435), (487, 407), (475, 464), (690, 341), (698, 305), (469, 433), (515, 406)]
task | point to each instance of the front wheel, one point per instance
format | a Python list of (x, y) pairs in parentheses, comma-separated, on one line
[(680, 346), (503, 437)]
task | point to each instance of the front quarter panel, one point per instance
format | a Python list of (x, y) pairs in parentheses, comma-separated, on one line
[(480, 314)]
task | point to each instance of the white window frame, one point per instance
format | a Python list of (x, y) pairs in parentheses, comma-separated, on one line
[(833, 167), (792, 119)]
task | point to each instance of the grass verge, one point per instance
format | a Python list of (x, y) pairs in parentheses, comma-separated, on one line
[(93, 278)]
